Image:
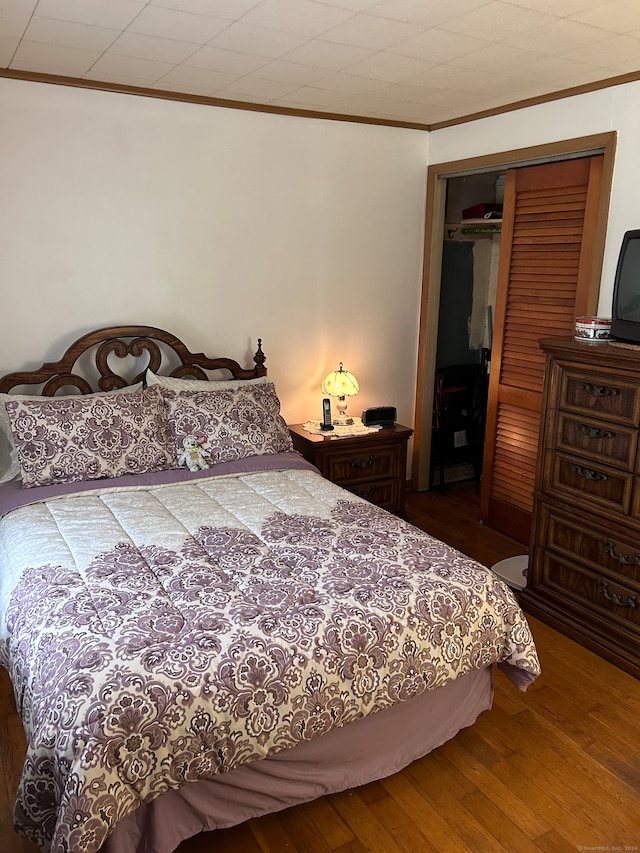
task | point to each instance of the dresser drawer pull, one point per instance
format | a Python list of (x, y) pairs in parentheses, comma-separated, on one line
[(593, 432), (631, 601), (589, 473), (599, 390), (362, 463), (623, 559)]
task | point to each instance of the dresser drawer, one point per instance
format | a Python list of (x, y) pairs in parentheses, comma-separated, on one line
[(347, 467), (597, 440), (590, 590), (570, 477), (635, 501), (599, 394), (578, 539)]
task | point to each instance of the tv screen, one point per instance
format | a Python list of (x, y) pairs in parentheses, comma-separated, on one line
[(625, 314)]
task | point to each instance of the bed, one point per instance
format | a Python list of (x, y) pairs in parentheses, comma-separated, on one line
[(199, 628)]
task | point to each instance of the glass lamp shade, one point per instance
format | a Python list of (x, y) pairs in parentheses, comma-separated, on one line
[(341, 384)]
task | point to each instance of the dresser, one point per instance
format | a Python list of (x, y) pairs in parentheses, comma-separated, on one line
[(372, 466), (584, 567)]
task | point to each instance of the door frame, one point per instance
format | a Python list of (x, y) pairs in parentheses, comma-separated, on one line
[(437, 177)]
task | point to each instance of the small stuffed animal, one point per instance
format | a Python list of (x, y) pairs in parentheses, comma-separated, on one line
[(192, 455)]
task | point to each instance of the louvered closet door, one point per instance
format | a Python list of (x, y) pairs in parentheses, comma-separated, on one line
[(544, 282)]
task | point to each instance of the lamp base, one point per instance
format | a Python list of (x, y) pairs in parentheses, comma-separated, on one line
[(342, 421)]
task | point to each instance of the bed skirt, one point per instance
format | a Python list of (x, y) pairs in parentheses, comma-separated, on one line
[(368, 749)]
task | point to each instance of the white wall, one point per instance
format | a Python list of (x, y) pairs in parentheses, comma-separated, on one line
[(616, 108), (223, 225), (219, 225)]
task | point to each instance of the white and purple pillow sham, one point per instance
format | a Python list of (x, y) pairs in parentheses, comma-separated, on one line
[(231, 422), (9, 463), (90, 437)]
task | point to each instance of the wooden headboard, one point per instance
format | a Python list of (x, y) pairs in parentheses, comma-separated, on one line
[(88, 364)]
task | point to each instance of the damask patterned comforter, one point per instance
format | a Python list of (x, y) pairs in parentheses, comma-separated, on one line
[(161, 634)]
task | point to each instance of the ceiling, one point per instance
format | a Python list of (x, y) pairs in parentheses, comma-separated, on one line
[(420, 62)]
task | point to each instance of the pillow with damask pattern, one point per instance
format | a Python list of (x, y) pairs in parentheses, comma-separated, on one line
[(90, 437), (229, 422), (9, 465)]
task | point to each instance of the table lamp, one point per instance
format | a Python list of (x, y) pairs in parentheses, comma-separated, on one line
[(341, 384)]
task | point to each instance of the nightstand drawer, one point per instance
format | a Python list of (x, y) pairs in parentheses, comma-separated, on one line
[(384, 493), (346, 467)]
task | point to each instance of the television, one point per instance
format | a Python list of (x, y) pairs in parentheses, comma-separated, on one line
[(625, 311)]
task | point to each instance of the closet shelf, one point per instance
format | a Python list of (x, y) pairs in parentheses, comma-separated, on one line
[(472, 230)]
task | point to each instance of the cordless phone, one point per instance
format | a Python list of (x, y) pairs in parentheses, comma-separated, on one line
[(326, 415)]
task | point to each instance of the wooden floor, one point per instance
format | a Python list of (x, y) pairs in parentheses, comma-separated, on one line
[(554, 769)]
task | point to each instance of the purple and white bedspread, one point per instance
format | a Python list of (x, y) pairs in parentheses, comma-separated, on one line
[(163, 633)]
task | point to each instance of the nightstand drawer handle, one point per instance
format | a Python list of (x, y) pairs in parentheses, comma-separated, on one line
[(593, 432), (589, 473), (623, 559), (631, 601), (599, 390), (362, 463)]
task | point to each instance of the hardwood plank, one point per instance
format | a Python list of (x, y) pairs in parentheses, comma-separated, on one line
[(605, 805), (302, 831), (355, 846), (328, 823), (402, 827), (271, 834), (539, 794), (447, 789), (553, 842), (478, 750), (497, 823), (511, 701), (528, 820), (558, 706), (364, 822), (495, 727), (620, 759), (372, 793), (441, 773), (468, 827), (619, 686), (442, 833)]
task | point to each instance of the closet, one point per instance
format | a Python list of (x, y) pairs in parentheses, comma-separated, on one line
[(470, 256), (548, 254), (545, 278)]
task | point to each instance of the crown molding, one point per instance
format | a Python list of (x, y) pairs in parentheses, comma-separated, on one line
[(165, 94), (607, 83)]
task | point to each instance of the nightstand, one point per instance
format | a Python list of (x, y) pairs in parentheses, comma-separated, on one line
[(372, 466)]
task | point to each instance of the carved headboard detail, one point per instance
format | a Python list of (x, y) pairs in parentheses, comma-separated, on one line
[(87, 365)]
